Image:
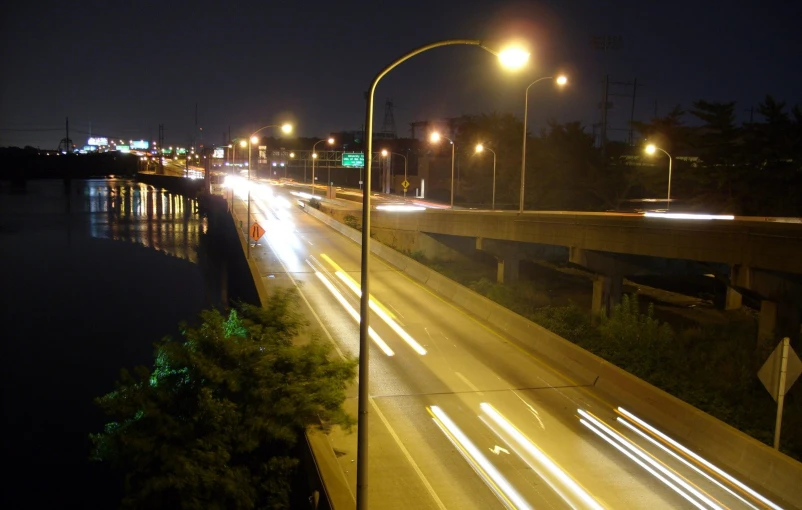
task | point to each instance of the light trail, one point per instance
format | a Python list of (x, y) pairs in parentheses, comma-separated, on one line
[(483, 467)]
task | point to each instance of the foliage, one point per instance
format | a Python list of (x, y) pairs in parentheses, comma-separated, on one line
[(213, 424), (352, 221), (719, 165)]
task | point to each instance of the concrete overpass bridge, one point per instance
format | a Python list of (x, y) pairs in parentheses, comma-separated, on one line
[(763, 256)]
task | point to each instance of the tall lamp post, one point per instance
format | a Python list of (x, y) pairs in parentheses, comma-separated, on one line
[(513, 58), (436, 138), (480, 148), (330, 141), (652, 149), (561, 80), (387, 153), (287, 128)]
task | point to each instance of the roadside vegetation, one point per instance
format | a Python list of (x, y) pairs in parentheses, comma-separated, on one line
[(712, 367), (216, 421)]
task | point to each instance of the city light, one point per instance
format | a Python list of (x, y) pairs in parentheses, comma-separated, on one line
[(562, 80), (385, 153), (254, 139), (287, 128), (651, 149), (435, 137), (480, 147)]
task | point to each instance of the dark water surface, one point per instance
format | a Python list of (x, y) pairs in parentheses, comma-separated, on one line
[(84, 293)]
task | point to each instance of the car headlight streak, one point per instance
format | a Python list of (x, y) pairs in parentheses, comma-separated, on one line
[(502, 488), (698, 459), (555, 477), (657, 469)]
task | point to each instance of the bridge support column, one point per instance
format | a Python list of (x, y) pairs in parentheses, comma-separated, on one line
[(508, 258), (781, 301), (609, 283), (607, 292), (734, 299)]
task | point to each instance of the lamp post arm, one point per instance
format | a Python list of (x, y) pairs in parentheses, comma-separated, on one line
[(364, 301)]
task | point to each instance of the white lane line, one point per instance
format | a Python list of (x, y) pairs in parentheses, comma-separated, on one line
[(469, 383), (406, 453)]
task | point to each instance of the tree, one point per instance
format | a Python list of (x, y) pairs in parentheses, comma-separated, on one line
[(213, 425)]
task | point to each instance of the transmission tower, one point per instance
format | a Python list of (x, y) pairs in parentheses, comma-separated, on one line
[(388, 126), (65, 145)]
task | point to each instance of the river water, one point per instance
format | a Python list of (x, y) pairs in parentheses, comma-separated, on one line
[(91, 274)]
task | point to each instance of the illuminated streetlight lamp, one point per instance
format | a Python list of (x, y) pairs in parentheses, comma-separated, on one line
[(510, 58), (652, 149), (436, 137), (561, 81), (480, 148), (330, 141)]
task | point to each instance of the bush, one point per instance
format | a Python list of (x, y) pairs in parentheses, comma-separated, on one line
[(353, 222), (214, 423)]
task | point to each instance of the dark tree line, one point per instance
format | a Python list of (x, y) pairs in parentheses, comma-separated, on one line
[(719, 166)]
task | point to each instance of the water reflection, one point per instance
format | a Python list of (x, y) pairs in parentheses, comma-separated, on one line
[(136, 212)]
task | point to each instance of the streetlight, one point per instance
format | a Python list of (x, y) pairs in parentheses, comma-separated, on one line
[(652, 149), (512, 58), (386, 153), (314, 157), (436, 138), (287, 128), (480, 148), (561, 81)]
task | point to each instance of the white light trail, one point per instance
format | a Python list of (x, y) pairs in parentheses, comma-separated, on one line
[(353, 313), (687, 216), (483, 467), (400, 208), (699, 459), (560, 479), (381, 313), (679, 458), (655, 465)]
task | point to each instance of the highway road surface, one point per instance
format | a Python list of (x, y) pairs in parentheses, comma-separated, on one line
[(462, 417)]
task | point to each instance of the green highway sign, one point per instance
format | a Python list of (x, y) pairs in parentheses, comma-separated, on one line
[(355, 159)]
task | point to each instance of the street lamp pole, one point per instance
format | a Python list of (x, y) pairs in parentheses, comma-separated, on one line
[(436, 138), (386, 153), (480, 148), (560, 81), (510, 58), (314, 157), (651, 149)]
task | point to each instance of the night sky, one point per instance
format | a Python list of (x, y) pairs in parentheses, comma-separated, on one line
[(126, 67)]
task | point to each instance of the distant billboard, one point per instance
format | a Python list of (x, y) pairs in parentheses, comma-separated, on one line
[(98, 140), (123, 148), (140, 144), (219, 153), (89, 148)]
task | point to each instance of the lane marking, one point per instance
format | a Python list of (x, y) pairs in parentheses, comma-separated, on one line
[(406, 453)]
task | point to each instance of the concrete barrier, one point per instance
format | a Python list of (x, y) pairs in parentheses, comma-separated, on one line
[(776, 475)]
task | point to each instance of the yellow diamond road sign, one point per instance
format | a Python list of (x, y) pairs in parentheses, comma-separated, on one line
[(769, 373), (405, 184)]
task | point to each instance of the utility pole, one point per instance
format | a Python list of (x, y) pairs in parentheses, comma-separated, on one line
[(605, 43)]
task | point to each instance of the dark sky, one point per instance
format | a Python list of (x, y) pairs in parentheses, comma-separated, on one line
[(128, 66)]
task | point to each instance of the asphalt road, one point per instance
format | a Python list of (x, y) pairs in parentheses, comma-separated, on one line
[(462, 417)]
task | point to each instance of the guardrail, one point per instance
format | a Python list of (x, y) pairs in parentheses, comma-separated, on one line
[(776, 474)]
